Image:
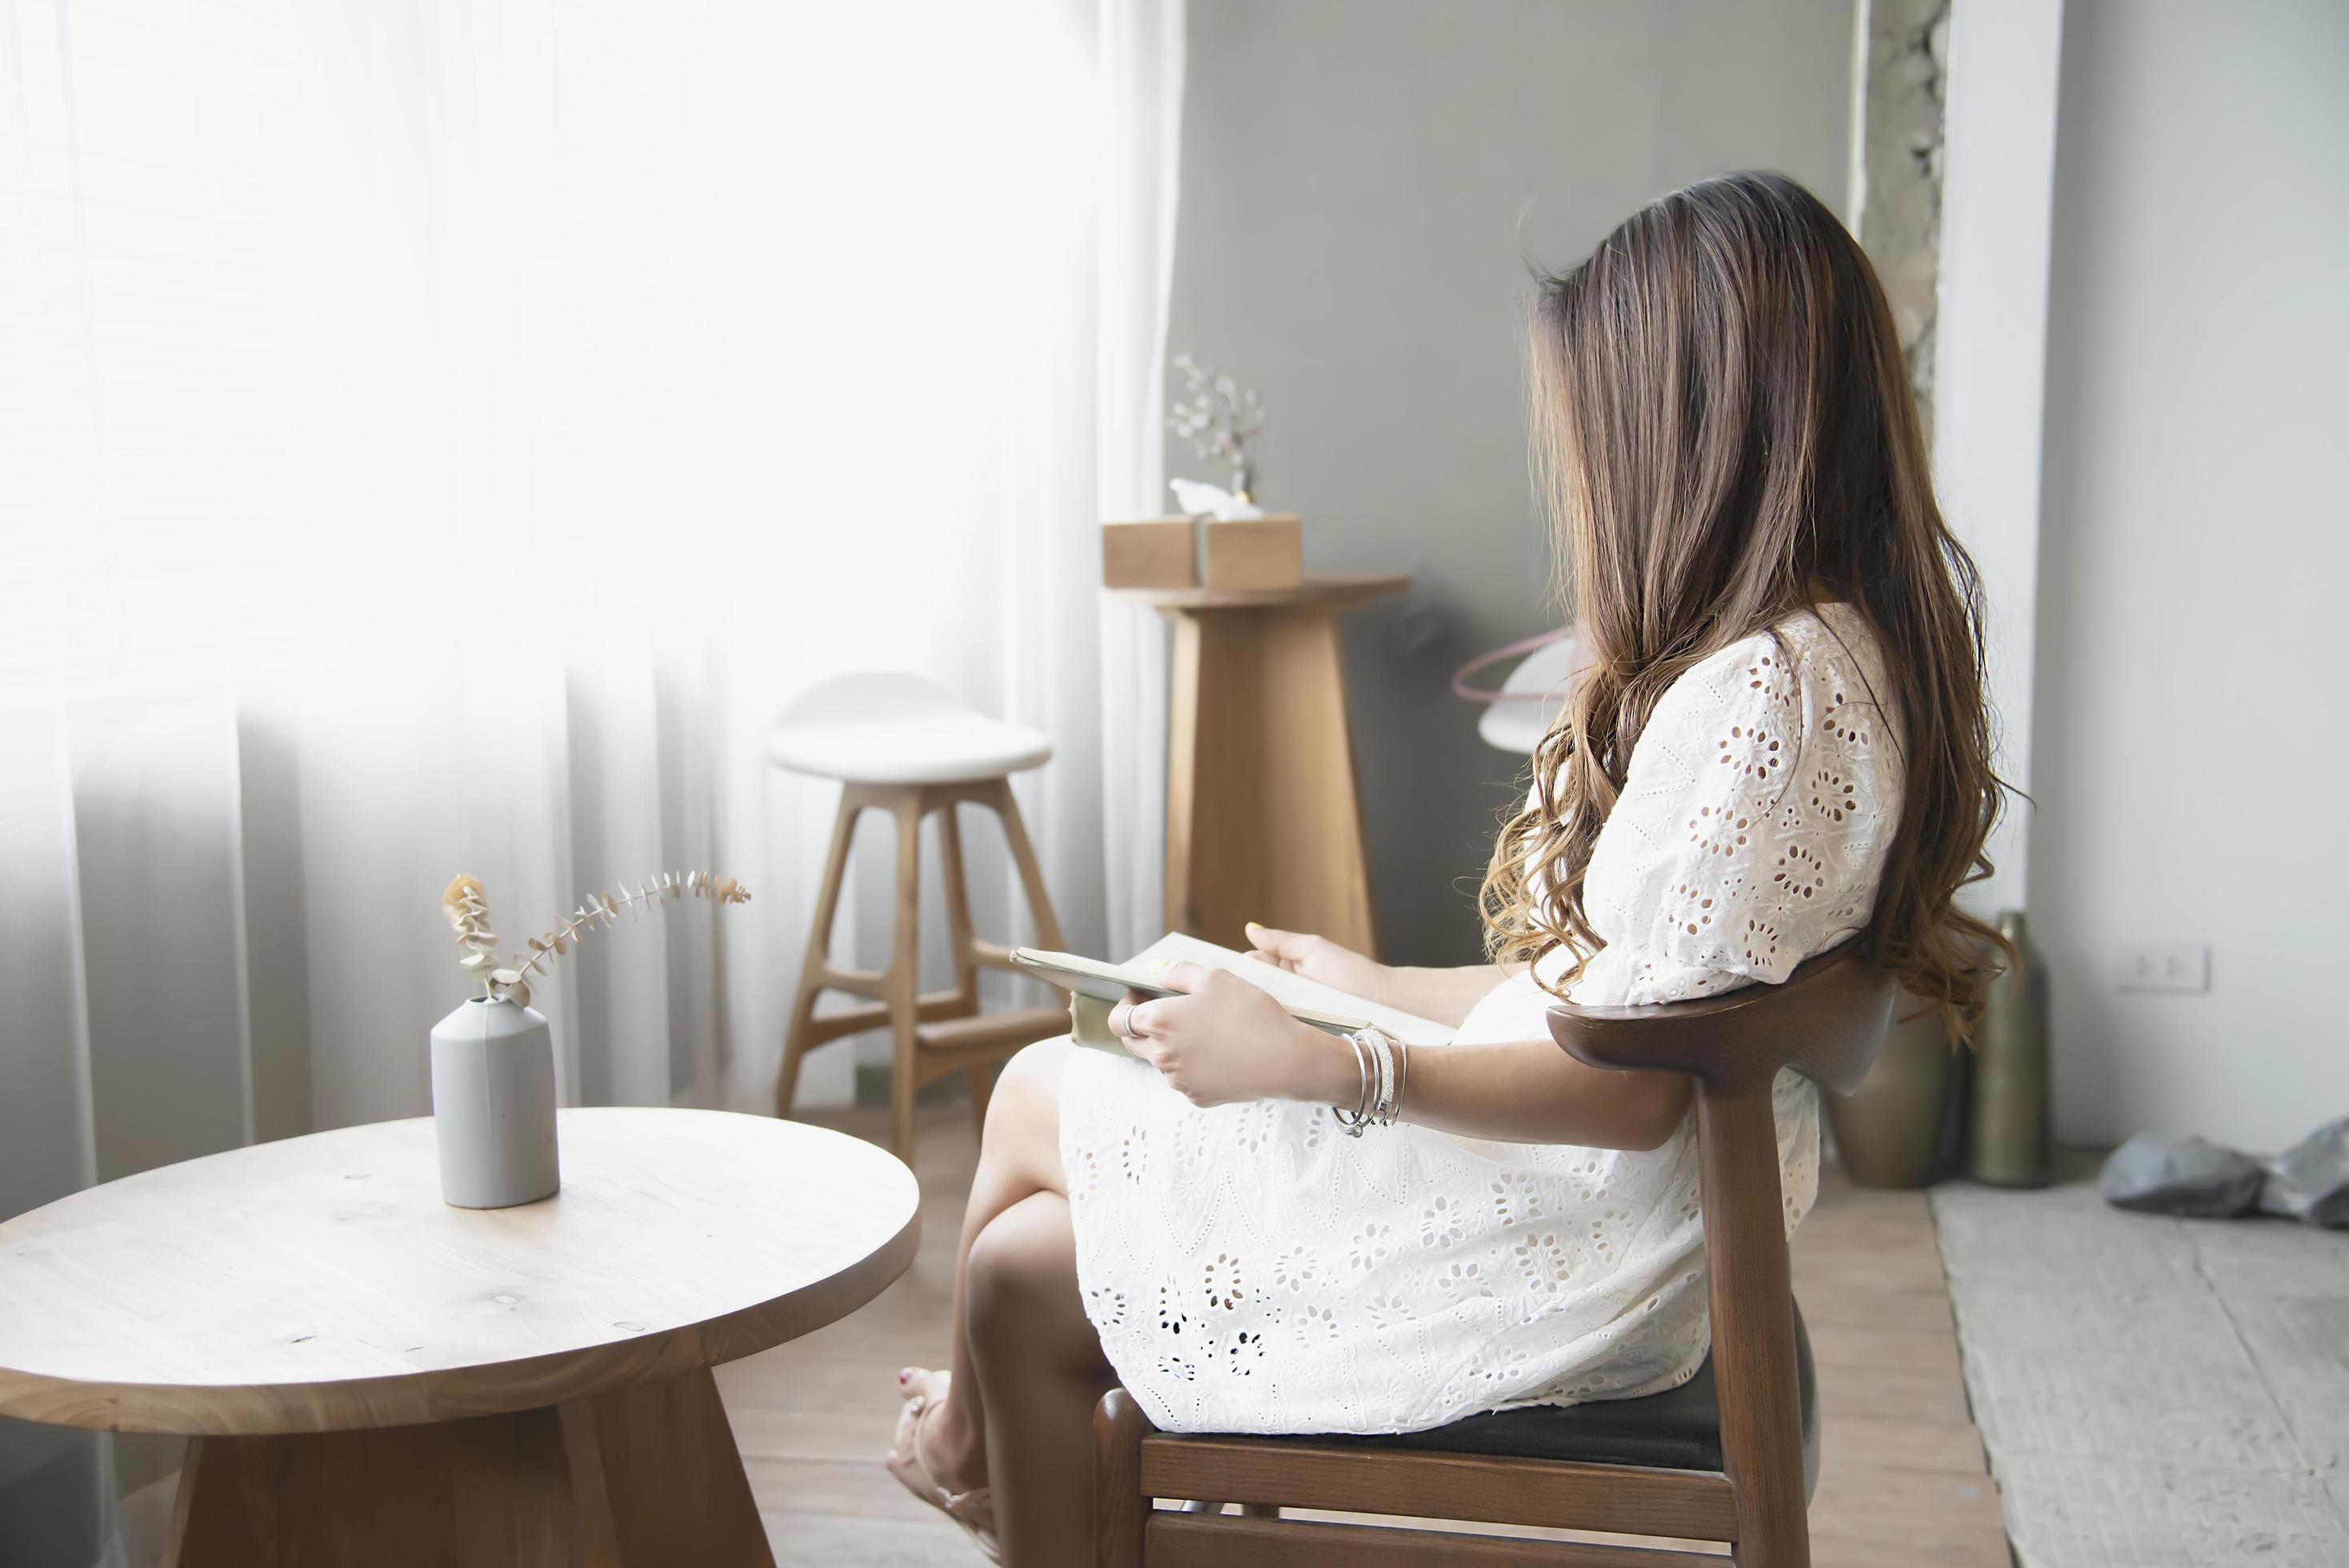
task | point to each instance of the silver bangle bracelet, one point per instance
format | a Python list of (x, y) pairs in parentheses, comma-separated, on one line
[(1375, 1054), (1360, 1117)]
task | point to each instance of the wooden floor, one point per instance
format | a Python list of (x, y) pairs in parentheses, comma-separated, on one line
[(1901, 1481)]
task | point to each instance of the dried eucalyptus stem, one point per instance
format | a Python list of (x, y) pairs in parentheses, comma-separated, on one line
[(468, 910)]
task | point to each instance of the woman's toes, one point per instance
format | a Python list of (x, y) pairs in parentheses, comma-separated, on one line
[(921, 1380)]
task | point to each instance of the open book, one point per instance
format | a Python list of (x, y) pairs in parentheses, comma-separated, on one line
[(1094, 988)]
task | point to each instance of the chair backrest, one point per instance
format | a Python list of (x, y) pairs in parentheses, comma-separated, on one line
[(1828, 1021)]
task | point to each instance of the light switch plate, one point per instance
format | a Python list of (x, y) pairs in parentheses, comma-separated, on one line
[(2162, 966)]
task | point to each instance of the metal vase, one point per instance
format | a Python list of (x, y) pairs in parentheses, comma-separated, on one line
[(493, 1106), (2012, 1142), (1895, 1130)]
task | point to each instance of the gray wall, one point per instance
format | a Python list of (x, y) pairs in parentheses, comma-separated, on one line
[(1364, 182), (2189, 739)]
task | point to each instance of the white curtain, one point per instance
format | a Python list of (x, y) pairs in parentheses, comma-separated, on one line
[(436, 437)]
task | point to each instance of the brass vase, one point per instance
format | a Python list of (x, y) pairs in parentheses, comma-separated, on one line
[(2012, 1141), (1900, 1127)]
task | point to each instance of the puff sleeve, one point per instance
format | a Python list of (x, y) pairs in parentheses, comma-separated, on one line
[(1754, 823)]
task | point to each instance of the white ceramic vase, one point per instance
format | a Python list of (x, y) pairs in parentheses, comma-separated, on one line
[(493, 1106)]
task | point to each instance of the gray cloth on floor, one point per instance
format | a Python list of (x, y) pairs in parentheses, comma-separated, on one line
[(2192, 1177), (2309, 1180)]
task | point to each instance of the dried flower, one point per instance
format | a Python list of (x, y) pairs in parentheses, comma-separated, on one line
[(1221, 422), (466, 907)]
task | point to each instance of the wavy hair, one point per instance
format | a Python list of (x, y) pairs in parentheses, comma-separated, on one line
[(1724, 435)]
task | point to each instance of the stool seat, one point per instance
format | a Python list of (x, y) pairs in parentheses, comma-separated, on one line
[(882, 727)]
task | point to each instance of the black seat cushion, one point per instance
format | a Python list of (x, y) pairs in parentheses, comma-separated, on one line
[(1677, 1429)]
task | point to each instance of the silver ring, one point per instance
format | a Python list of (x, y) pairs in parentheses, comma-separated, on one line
[(1122, 1033)]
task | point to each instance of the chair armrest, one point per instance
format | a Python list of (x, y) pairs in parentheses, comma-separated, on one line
[(1826, 1021)]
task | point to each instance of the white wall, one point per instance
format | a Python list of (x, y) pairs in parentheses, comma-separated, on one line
[(1364, 182), (2190, 747), (1991, 366)]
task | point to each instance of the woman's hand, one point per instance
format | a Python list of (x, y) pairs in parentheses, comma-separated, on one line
[(1319, 958), (1445, 995), (1225, 1040)]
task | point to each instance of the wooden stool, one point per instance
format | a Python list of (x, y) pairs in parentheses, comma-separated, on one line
[(908, 747)]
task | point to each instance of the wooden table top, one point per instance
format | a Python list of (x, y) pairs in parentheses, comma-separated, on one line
[(1338, 590), (319, 1284)]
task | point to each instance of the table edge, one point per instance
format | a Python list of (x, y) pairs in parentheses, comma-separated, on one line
[(457, 1393), (1338, 590)]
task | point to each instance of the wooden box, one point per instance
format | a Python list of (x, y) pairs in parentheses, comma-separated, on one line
[(1160, 553), (1261, 553)]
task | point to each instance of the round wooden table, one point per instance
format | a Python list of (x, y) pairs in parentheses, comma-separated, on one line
[(372, 1376)]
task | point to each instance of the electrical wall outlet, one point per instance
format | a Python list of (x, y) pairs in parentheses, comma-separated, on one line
[(2162, 966)]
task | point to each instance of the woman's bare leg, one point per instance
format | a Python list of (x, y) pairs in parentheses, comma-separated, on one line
[(1019, 1157), (1041, 1373)]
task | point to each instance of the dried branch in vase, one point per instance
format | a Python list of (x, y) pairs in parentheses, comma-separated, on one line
[(468, 910), (1220, 422)]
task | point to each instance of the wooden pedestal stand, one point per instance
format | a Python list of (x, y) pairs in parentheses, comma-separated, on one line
[(1262, 821)]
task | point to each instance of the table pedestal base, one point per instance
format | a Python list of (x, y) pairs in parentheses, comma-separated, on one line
[(1261, 819), (645, 1474)]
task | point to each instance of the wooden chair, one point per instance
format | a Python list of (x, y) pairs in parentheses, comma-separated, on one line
[(911, 748), (1730, 1457)]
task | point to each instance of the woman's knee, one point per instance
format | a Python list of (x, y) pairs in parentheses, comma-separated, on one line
[(1021, 1275), (1034, 1071), (1026, 1100)]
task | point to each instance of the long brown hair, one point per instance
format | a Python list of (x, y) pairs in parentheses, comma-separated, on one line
[(1725, 433)]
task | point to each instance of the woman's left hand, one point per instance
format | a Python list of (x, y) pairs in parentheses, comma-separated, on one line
[(1225, 1040)]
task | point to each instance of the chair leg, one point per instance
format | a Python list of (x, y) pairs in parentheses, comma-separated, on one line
[(1023, 855), (819, 949), (900, 986), (1121, 1512)]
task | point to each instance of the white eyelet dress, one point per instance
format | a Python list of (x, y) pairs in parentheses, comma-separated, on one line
[(1250, 1269)]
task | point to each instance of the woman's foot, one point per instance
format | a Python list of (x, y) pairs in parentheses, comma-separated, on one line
[(940, 1479)]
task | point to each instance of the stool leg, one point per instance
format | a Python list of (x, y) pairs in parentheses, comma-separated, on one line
[(901, 986), (1023, 855), (818, 958), (957, 899), (965, 949)]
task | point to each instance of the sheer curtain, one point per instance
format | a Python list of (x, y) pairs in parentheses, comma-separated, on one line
[(436, 437)]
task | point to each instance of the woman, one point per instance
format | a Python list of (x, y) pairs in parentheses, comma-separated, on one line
[(1780, 745)]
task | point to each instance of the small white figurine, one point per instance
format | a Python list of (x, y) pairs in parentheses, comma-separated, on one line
[(1198, 499)]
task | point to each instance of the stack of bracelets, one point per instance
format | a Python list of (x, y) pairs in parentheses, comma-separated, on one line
[(1385, 1063)]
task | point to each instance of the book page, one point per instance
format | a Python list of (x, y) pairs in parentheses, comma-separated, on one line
[(1293, 991)]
